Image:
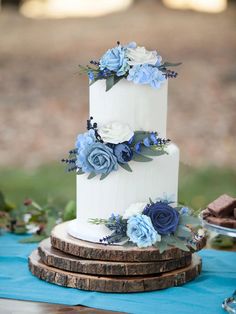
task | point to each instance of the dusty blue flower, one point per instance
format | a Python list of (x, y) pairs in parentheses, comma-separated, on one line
[(185, 211), (153, 138), (97, 158), (146, 74), (141, 232), (146, 142), (84, 140), (91, 75), (164, 218), (115, 60), (123, 153)]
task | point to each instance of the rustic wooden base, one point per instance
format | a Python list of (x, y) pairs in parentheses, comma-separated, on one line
[(55, 258), (62, 241), (113, 283)]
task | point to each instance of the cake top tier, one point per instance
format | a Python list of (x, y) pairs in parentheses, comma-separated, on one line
[(131, 62)]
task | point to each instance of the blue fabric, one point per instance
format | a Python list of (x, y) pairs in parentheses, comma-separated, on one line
[(204, 295)]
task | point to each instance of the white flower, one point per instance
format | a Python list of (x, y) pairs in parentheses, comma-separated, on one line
[(134, 209), (115, 133), (140, 55)]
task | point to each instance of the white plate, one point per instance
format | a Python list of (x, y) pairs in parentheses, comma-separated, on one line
[(219, 229)]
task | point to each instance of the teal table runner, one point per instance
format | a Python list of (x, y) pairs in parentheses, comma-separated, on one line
[(201, 296)]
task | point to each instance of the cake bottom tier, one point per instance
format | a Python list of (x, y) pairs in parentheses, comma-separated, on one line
[(99, 199)]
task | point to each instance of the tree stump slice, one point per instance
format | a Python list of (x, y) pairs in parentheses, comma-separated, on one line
[(58, 259), (114, 283), (62, 241)]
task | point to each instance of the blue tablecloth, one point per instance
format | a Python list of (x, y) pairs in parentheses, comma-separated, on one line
[(204, 295)]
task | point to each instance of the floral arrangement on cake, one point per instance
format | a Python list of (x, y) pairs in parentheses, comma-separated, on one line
[(101, 150), (132, 62), (160, 224)]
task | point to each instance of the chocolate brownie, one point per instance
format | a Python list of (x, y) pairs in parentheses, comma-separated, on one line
[(223, 206)]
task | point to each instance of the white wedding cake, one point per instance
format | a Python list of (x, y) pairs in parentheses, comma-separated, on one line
[(141, 107), (127, 171)]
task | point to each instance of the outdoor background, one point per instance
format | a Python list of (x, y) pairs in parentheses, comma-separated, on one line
[(44, 101)]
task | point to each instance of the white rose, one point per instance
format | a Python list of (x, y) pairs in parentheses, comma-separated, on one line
[(134, 209), (140, 55), (115, 132)]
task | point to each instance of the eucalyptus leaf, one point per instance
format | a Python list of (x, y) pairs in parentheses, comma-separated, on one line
[(180, 244), (151, 201), (141, 158), (170, 64), (91, 175), (93, 81), (126, 167), (183, 231), (104, 175), (110, 81), (139, 136), (117, 79), (148, 151), (162, 246), (80, 171), (189, 220)]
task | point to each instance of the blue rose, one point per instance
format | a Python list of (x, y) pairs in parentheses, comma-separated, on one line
[(123, 153), (164, 218), (97, 158), (115, 60), (141, 232), (146, 74), (84, 140)]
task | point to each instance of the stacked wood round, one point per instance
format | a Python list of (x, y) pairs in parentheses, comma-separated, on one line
[(66, 261)]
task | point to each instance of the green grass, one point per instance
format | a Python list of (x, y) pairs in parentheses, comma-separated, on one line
[(197, 187)]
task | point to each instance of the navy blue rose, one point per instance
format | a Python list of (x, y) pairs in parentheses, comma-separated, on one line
[(123, 153), (164, 218)]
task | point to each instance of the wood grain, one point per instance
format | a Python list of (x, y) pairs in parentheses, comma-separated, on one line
[(113, 283), (53, 257), (62, 241)]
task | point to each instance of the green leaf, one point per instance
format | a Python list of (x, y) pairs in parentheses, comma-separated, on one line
[(94, 81), (162, 246), (117, 79), (151, 201), (170, 64), (126, 167), (80, 171), (69, 211), (34, 238), (141, 158), (104, 175), (91, 175), (147, 151), (109, 83), (179, 243), (139, 136), (189, 220), (183, 231)]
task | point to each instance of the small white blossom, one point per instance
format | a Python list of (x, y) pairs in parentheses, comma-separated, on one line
[(134, 209)]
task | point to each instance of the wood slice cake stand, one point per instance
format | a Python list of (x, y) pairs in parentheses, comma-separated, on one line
[(61, 240), (85, 265), (58, 259), (114, 283)]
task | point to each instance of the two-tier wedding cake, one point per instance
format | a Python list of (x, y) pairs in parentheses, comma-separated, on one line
[(127, 170)]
